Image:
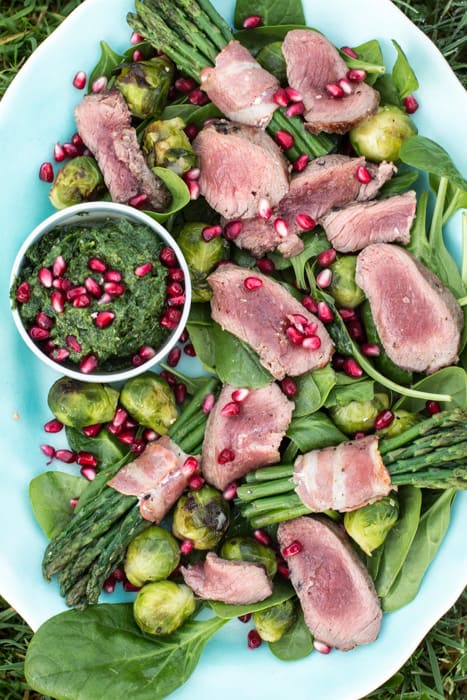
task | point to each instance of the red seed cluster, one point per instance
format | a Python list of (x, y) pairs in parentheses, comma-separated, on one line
[(302, 332)]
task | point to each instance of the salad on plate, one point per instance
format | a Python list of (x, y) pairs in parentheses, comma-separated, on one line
[(295, 462)]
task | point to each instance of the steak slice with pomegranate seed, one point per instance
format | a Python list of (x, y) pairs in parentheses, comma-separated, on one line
[(361, 223), (263, 317), (343, 478), (239, 166), (313, 63), (240, 87), (156, 477), (336, 593), (418, 319), (104, 124), (253, 435), (234, 582)]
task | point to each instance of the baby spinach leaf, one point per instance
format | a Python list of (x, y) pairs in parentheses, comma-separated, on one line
[(403, 75), (256, 40), (199, 327), (236, 362), (200, 114), (101, 654), (370, 59), (105, 446), (296, 643), (271, 11), (419, 244), (282, 591), (388, 90), (449, 380), (399, 539), (313, 390), (177, 188), (314, 245), (429, 535), (423, 153), (50, 494), (108, 60), (314, 431)]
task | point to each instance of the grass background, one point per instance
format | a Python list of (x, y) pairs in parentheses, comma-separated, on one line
[(438, 668)]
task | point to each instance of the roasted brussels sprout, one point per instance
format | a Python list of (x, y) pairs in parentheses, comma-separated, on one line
[(343, 287), (273, 622), (162, 607), (78, 180), (150, 400), (201, 516), (402, 421), (358, 415), (145, 85), (151, 556), (165, 144), (380, 136), (369, 526), (272, 59), (201, 256), (248, 549), (78, 404)]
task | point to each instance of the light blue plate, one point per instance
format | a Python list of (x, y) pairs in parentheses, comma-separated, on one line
[(37, 112)]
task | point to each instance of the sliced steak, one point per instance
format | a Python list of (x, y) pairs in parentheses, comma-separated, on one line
[(336, 593), (104, 123), (240, 165), (312, 64), (343, 478), (234, 582), (361, 223), (253, 436), (240, 87), (259, 237), (418, 319), (156, 477), (261, 317)]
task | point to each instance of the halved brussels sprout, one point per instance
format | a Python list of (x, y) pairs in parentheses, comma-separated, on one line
[(248, 549), (165, 144), (272, 623), (150, 400), (358, 415), (163, 606), (369, 526), (78, 404), (343, 287), (201, 257), (145, 85), (201, 516), (78, 180), (151, 556), (380, 136)]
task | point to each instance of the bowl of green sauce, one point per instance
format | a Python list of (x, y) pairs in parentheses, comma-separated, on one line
[(100, 291)]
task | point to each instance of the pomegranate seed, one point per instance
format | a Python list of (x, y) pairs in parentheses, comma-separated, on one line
[(245, 618), (186, 546), (138, 201), (297, 320), (252, 22), (432, 407), (92, 287), (185, 85), (48, 450), (73, 502), (109, 585), (192, 174), (184, 336), (310, 304), (115, 289), (262, 537), (312, 342), (196, 482), (57, 300), (114, 429), (59, 153), (59, 354), (198, 97), (79, 81), (138, 447), (190, 466), (88, 363), (136, 38), (37, 333), (254, 640), (175, 274), (174, 289), (230, 491), (301, 162), (130, 587), (103, 319), (281, 97), (295, 109), (305, 222), (337, 362), (63, 284), (281, 227), (176, 301), (150, 435), (370, 350), (191, 130), (288, 386), (363, 175), (350, 52), (383, 419), (326, 257), (334, 90), (232, 229), (359, 435), (168, 257), (266, 265), (113, 276), (86, 459), (264, 209), (143, 269), (293, 94), (189, 350), (347, 314), (295, 336), (208, 403), (231, 409), (292, 549), (321, 647), (284, 139), (225, 455), (76, 292), (146, 352), (174, 357), (126, 436), (53, 426), (70, 150), (169, 378), (356, 75), (99, 84), (46, 172), (180, 392), (410, 104), (324, 278), (92, 430), (325, 313), (59, 266), (120, 417), (82, 302), (240, 395), (210, 232), (252, 283), (89, 473), (345, 85), (283, 569), (67, 456), (44, 321), (352, 368), (45, 277), (73, 343), (97, 265), (355, 330), (23, 292)]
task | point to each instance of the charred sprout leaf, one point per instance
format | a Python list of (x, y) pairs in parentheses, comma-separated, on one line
[(201, 516), (145, 85), (296, 643), (165, 144), (108, 61), (151, 401), (248, 549), (272, 59), (343, 288), (358, 415), (272, 623), (272, 13), (79, 180), (403, 76), (381, 136), (50, 494), (79, 404), (151, 556), (163, 606), (369, 526)]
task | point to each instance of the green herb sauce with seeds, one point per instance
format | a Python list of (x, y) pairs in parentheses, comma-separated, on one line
[(122, 246)]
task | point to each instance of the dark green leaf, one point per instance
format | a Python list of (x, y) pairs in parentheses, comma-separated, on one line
[(50, 494), (107, 62), (423, 153), (256, 40), (200, 114), (449, 380), (314, 243), (282, 591), (271, 11), (355, 390), (388, 91), (370, 59), (236, 362), (105, 446), (314, 431), (403, 76), (296, 643), (399, 183), (177, 188), (313, 390), (101, 654)]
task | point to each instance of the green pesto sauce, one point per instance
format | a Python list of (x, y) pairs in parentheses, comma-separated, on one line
[(123, 246)]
